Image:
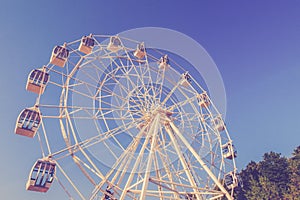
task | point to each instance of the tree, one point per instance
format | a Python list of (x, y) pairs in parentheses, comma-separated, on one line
[(273, 178), (294, 176), (249, 178), (275, 169), (262, 189)]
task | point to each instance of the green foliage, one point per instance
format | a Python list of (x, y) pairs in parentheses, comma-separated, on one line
[(275, 169), (294, 170), (273, 178)]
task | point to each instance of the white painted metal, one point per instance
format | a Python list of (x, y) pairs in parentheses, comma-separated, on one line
[(133, 126)]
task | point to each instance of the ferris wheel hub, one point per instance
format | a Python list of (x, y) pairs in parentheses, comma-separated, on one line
[(147, 118)]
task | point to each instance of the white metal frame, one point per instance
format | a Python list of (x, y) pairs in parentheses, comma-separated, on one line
[(167, 144)]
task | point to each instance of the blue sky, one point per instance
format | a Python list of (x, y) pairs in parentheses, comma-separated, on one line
[(255, 44)]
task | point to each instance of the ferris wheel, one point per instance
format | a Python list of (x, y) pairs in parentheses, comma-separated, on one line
[(117, 120)]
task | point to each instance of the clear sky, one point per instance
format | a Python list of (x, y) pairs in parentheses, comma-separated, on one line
[(255, 44)]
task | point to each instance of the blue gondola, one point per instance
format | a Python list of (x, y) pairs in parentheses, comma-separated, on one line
[(186, 79), (163, 62), (229, 151), (114, 44), (41, 175), (140, 51), (37, 81), (86, 45), (28, 122), (203, 100), (59, 56)]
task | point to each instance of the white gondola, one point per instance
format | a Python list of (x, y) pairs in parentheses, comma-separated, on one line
[(185, 79), (203, 100), (140, 51), (28, 122), (163, 62), (232, 180), (86, 45), (41, 175), (114, 44), (37, 81), (218, 123), (59, 56), (229, 151)]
